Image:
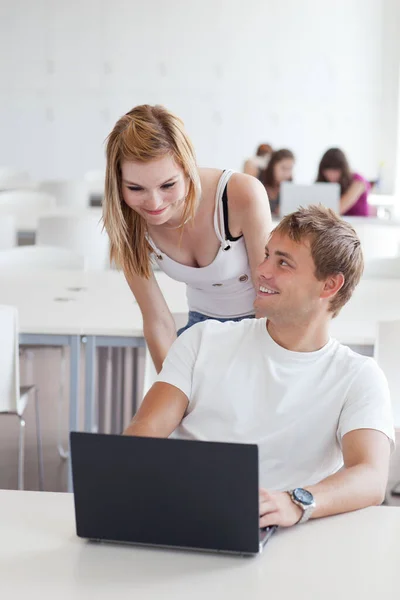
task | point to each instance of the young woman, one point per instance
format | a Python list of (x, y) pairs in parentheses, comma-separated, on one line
[(279, 169), (205, 227), (334, 168)]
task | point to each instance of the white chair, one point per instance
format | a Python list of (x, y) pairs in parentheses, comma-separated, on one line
[(95, 180), (27, 200), (8, 232), (82, 233), (68, 193), (387, 350), (13, 178), (382, 268), (35, 257), (378, 240), (13, 398), (26, 206), (386, 353)]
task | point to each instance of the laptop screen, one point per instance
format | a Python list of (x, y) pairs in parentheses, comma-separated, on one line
[(166, 492)]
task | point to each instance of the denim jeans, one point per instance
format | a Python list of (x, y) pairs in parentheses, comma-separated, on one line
[(195, 317)]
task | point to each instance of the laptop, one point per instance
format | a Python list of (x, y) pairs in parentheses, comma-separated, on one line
[(167, 492), (293, 195)]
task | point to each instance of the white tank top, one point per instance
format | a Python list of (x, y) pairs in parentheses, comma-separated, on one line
[(224, 287)]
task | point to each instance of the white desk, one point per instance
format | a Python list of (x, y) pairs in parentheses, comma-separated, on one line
[(61, 307), (100, 304), (349, 556)]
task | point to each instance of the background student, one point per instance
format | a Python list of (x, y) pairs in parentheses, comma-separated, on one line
[(334, 168), (278, 170)]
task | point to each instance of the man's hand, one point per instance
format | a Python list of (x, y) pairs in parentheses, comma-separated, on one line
[(277, 508)]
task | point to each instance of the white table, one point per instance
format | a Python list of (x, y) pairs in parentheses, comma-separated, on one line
[(60, 308), (63, 307), (349, 556), (101, 304)]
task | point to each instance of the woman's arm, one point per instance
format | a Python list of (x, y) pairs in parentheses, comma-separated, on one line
[(250, 215), (158, 323), (350, 197)]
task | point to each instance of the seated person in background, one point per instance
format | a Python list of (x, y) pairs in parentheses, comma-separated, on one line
[(334, 168), (256, 164), (279, 169), (319, 412)]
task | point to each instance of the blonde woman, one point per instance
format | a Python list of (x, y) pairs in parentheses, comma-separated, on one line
[(206, 227)]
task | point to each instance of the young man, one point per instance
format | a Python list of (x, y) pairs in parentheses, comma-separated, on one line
[(312, 405)]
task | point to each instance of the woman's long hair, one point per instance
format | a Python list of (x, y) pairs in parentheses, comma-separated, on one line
[(145, 133), (334, 158), (267, 176)]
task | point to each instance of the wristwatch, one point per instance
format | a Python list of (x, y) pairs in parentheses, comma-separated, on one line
[(305, 500)]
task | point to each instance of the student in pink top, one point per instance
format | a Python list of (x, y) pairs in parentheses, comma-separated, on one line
[(334, 168)]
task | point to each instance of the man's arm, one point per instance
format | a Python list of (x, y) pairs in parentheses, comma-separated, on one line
[(361, 483), (165, 404), (160, 413)]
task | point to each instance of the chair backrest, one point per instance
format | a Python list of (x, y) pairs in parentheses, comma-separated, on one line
[(387, 352), (82, 233), (68, 193), (27, 200), (9, 359), (382, 268), (45, 257), (95, 180), (378, 240), (13, 178), (8, 232)]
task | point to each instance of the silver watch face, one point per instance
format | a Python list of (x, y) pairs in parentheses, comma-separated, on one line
[(303, 496)]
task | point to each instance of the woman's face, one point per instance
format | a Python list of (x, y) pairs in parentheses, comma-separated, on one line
[(283, 170), (156, 190), (332, 175)]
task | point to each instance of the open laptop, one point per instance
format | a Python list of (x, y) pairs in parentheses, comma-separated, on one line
[(293, 195), (167, 492)]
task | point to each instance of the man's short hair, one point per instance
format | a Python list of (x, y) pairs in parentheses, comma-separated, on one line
[(335, 247)]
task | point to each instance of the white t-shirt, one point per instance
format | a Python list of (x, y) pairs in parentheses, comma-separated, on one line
[(243, 387)]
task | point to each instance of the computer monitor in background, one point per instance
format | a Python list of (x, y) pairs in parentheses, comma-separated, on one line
[(293, 195)]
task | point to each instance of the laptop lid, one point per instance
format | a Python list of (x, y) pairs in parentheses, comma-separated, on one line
[(293, 195), (166, 492)]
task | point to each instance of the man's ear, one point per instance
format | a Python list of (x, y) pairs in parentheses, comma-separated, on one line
[(332, 285)]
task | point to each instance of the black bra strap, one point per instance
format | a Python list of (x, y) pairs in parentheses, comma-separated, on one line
[(225, 209)]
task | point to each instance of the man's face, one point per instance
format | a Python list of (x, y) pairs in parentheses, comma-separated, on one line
[(287, 289)]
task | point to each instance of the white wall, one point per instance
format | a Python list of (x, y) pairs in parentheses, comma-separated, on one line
[(389, 140), (305, 74)]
